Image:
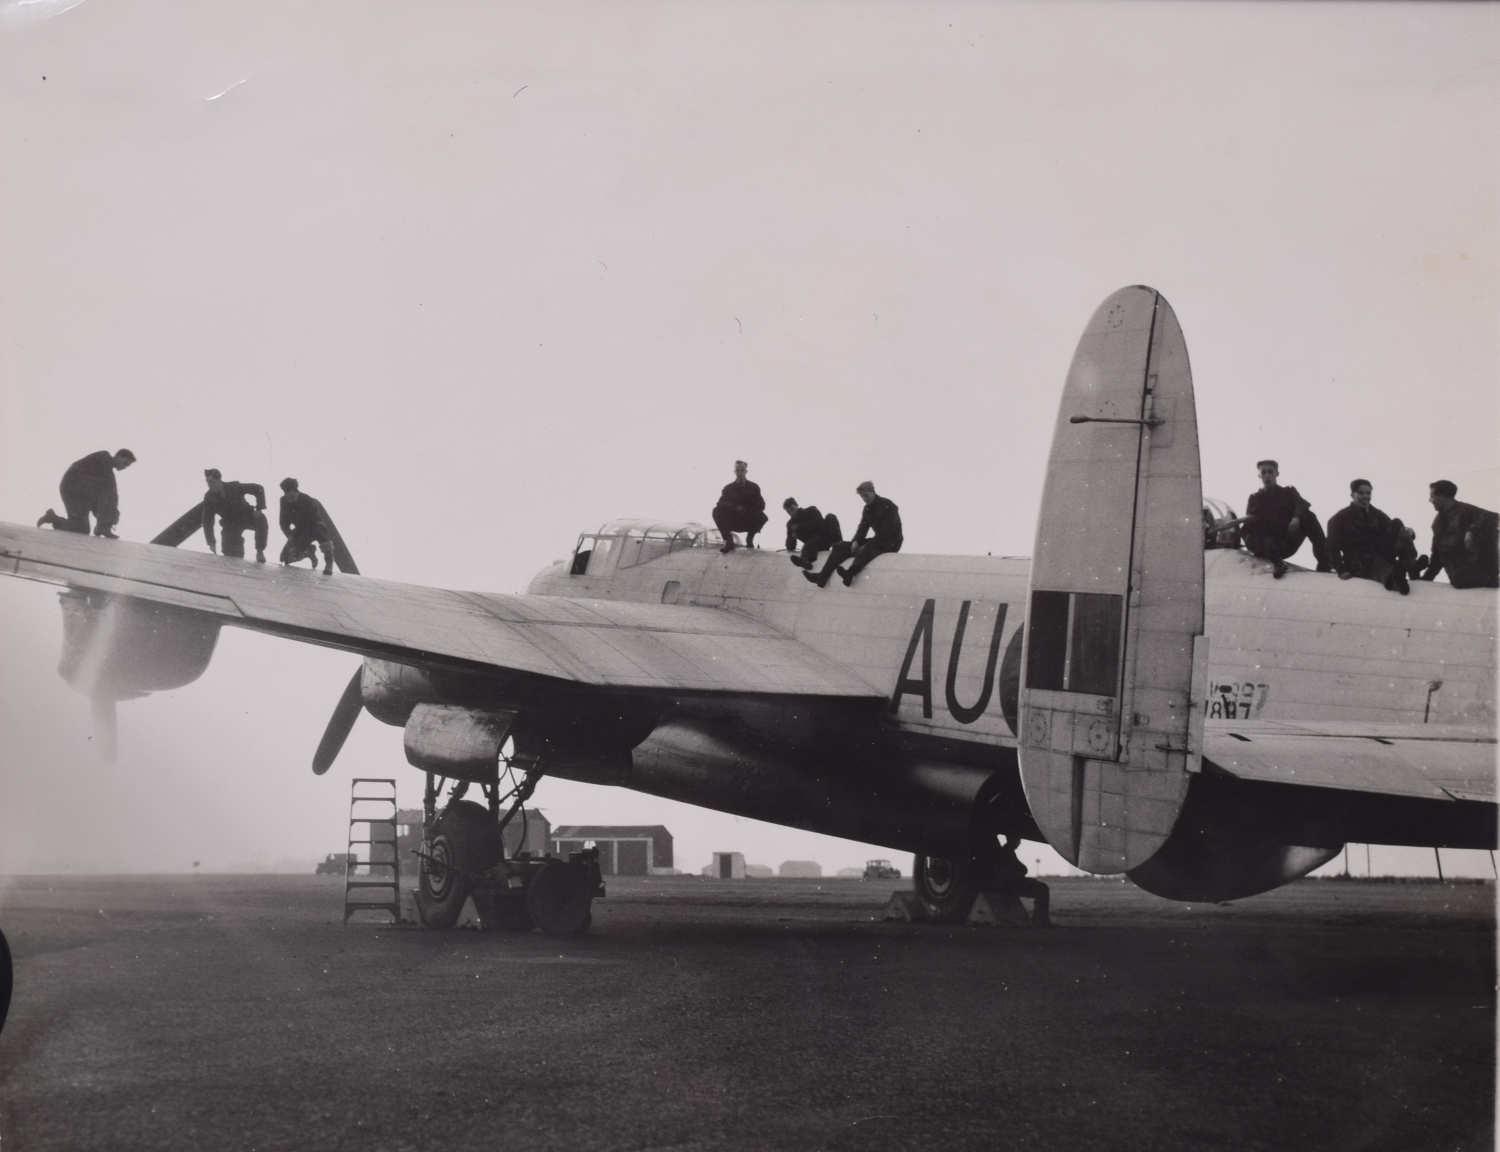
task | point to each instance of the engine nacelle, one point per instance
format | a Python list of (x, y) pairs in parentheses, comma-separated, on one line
[(456, 742), (117, 648)]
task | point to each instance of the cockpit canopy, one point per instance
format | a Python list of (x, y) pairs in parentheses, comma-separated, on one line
[(1221, 527), (622, 544)]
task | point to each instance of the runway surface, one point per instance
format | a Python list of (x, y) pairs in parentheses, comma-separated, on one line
[(238, 1012)]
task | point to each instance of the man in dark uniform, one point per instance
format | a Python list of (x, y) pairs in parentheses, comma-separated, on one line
[(305, 525), (1278, 520), (1010, 873), (88, 486), (814, 530), (1364, 542), (1465, 540), (741, 508), (881, 523), (226, 500)]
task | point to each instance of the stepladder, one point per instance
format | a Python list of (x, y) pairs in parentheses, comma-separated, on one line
[(372, 877)]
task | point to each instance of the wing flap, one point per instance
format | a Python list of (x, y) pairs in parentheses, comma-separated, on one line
[(594, 642)]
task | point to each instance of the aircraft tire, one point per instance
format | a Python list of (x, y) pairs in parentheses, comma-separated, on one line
[(945, 887), (560, 898), (466, 839), (5, 980)]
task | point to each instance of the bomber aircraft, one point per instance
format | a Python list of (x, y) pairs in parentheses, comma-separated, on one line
[(1143, 705)]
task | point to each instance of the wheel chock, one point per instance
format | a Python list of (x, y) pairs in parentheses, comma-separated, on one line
[(906, 907), (999, 910)]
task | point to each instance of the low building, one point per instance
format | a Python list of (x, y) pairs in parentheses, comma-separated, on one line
[(801, 870), (758, 872), (726, 866), (624, 850)]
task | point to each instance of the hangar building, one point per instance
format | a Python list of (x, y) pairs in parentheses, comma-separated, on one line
[(535, 837), (624, 850)]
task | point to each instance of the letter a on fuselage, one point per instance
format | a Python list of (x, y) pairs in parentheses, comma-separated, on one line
[(1108, 730)]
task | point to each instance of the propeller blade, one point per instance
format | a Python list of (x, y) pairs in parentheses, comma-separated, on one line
[(345, 713), (105, 728)]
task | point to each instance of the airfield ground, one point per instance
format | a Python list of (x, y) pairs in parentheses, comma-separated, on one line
[(238, 1012)]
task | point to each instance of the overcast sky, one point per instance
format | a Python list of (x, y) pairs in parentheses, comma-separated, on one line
[(482, 276)]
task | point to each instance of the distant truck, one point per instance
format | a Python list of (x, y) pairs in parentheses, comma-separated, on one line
[(881, 870), (335, 864)]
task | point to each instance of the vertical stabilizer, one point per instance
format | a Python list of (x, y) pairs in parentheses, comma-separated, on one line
[(1109, 726)]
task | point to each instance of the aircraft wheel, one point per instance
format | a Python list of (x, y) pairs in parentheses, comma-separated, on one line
[(559, 898), (5, 979), (945, 887), (465, 842)]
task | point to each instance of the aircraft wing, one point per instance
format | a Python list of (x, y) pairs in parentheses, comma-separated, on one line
[(600, 643), (1423, 761)]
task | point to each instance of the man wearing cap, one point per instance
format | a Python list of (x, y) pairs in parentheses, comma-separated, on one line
[(88, 487), (305, 524), (881, 523), (1364, 542), (1464, 540), (814, 530), (741, 508), (226, 500), (1277, 520)]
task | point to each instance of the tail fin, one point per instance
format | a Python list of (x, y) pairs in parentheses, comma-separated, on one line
[(1110, 724)]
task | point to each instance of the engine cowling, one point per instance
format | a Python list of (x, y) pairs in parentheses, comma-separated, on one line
[(117, 649)]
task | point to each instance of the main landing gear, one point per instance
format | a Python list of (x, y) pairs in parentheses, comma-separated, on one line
[(946, 888), (463, 856)]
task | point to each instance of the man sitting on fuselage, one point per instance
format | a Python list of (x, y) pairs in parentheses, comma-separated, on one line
[(1364, 542), (1464, 540), (741, 508), (812, 529), (881, 522), (1277, 520)]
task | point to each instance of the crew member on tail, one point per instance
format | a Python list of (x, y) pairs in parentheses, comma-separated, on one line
[(305, 525), (814, 530), (741, 508), (226, 500), (88, 487), (1464, 540), (1363, 541), (1278, 520), (881, 523)]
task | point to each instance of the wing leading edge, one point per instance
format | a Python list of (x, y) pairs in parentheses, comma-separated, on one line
[(598, 643)]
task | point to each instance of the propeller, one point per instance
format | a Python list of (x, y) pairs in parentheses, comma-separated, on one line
[(345, 713), (105, 727)]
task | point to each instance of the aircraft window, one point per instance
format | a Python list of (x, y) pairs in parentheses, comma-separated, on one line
[(1047, 640), (599, 556), (1094, 655), (1074, 642), (636, 542)]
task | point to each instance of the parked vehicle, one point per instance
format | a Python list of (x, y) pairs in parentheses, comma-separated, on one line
[(335, 864), (881, 870)]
